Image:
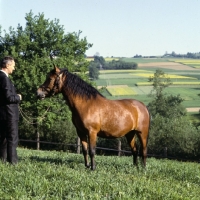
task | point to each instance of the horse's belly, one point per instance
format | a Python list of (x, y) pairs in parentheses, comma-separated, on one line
[(104, 134), (113, 133)]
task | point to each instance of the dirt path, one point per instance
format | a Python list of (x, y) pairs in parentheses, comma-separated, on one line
[(193, 109)]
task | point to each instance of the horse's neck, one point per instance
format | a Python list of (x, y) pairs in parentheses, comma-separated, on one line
[(74, 102), (68, 99)]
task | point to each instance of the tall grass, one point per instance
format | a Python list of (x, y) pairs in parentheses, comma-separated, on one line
[(58, 175)]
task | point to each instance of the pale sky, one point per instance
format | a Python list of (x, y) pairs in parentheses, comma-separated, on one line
[(121, 28)]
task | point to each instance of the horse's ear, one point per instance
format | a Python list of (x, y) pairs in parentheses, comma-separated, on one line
[(56, 69)]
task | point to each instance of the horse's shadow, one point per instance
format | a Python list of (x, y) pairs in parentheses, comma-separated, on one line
[(57, 161)]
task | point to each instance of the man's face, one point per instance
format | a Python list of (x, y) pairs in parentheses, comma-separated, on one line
[(10, 66)]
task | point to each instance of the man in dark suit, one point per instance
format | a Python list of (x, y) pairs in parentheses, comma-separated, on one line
[(9, 113)]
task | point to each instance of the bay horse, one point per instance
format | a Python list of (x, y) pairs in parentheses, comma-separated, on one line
[(94, 115)]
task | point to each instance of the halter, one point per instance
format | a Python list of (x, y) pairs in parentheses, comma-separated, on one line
[(55, 86)]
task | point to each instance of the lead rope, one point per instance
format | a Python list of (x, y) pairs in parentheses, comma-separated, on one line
[(28, 119)]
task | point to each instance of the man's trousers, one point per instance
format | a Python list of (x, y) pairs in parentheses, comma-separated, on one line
[(9, 140)]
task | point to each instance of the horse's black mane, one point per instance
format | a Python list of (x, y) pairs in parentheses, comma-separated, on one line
[(79, 86)]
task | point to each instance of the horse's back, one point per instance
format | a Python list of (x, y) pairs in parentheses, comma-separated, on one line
[(139, 110), (134, 106), (118, 117)]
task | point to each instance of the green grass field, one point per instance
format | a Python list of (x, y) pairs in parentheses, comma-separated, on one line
[(57, 175), (145, 60)]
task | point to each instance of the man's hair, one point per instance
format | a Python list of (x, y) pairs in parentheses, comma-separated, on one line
[(5, 61)]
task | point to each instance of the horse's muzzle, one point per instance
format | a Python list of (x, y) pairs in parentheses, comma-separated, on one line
[(40, 95)]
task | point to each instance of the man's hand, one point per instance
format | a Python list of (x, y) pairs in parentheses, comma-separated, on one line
[(20, 96)]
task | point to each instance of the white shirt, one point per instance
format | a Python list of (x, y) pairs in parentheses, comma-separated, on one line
[(4, 72)]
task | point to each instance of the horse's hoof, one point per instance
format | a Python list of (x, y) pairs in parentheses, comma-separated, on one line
[(87, 166)]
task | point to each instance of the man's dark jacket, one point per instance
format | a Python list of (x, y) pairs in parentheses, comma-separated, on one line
[(9, 99)]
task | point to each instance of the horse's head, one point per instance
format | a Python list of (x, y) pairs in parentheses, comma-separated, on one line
[(51, 86)]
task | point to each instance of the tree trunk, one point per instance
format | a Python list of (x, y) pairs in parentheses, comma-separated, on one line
[(78, 146), (38, 140), (165, 152), (119, 147)]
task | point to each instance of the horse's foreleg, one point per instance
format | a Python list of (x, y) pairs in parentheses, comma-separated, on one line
[(92, 148), (85, 152)]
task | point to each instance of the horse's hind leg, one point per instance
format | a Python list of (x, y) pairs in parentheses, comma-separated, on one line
[(92, 148), (143, 147), (85, 151), (143, 135), (131, 137), (84, 143)]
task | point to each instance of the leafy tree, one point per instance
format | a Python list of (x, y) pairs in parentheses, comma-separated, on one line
[(93, 70), (170, 127), (31, 47), (159, 81), (119, 64), (100, 60), (177, 134), (163, 104)]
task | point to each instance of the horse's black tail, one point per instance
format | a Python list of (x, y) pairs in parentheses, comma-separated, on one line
[(150, 118)]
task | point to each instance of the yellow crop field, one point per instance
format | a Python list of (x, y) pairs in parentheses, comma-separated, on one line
[(174, 83), (122, 71), (90, 59), (168, 75), (190, 62), (110, 59), (106, 59), (186, 60), (120, 91)]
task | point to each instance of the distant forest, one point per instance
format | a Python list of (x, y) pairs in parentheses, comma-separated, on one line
[(173, 55)]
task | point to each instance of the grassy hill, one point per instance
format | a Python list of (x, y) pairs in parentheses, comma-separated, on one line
[(58, 175)]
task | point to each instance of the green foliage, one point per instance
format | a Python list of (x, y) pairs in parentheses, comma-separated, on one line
[(169, 128), (177, 134), (100, 60), (165, 105), (31, 47), (160, 82), (58, 175), (93, 70), (114, 64), (119, 64)]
